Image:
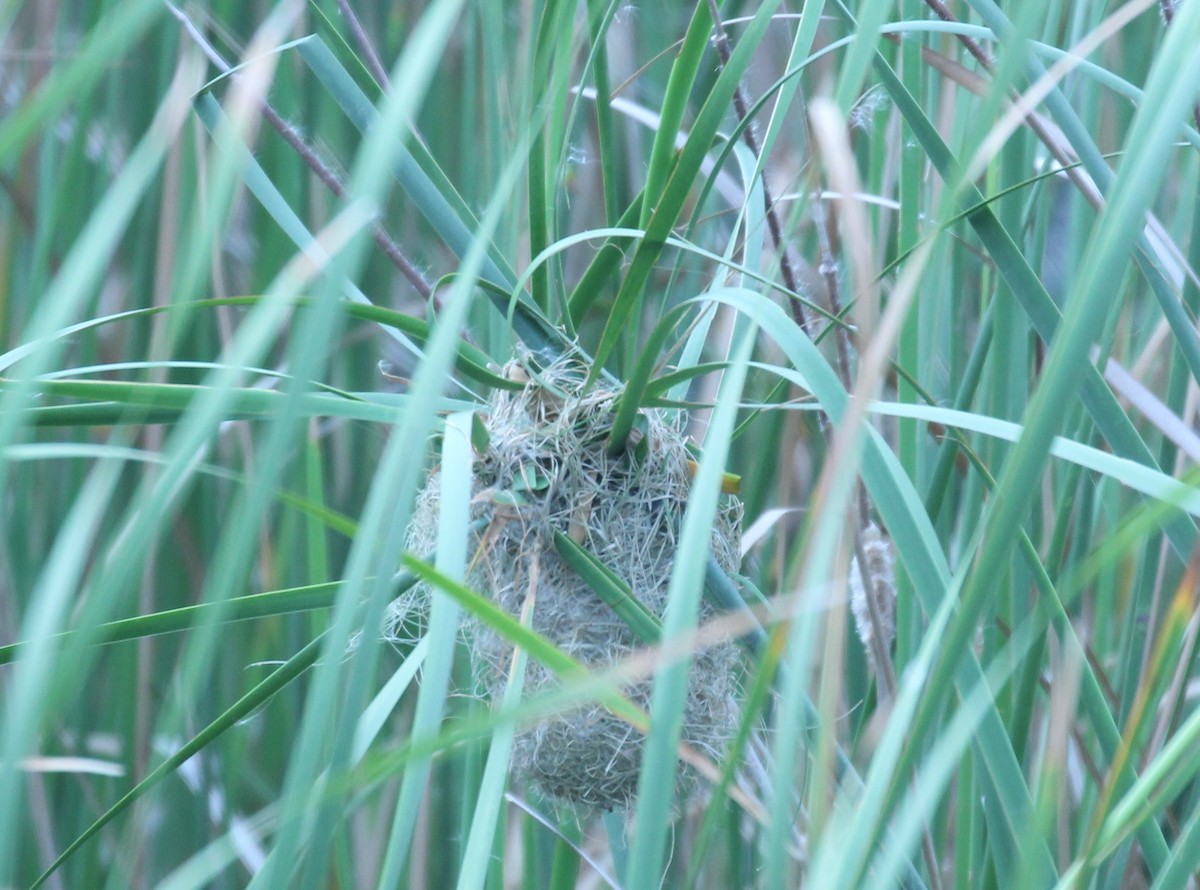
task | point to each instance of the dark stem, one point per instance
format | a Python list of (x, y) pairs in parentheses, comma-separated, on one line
[(371, 58), (310, 157), (742, 107), (829, 272), (1079, 177), (334, 183)]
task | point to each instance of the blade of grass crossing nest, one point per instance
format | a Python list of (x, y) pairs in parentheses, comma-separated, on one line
[(610, 588), (724, 594)]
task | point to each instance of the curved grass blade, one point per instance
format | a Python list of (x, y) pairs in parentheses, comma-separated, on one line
[(603, 267), (472, 361), (249, 401), (247, 704), (239, 608), (917, 548), (453, 226), (1166, 489)]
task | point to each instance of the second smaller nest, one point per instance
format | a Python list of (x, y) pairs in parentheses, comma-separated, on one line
[(548, 446)]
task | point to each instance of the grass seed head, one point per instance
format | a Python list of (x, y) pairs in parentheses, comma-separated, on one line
[(881, 576)]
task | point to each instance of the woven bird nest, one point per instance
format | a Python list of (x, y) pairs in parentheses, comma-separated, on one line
[(548, 442)]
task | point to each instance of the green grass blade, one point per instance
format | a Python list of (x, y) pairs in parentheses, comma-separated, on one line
[(646, 858), (453, 516), (241, 608), (610, 588), (477, 861), (251, 701), (528, 323), (683, 77), (116, 32), (1028, 288), (660, 217)]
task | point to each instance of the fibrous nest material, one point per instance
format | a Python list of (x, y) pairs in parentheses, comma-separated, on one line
[(548, 443)]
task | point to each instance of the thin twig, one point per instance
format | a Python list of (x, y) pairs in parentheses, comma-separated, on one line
[(970, 43), (374, 65), (829, 271), (312, 160), (881, 656), (742, 107), (334, 183), (1066, 160)]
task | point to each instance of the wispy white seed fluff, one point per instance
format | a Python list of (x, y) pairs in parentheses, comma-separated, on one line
[(881, 575)]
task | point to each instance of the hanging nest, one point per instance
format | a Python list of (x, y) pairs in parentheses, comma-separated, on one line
[(547, 442)]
